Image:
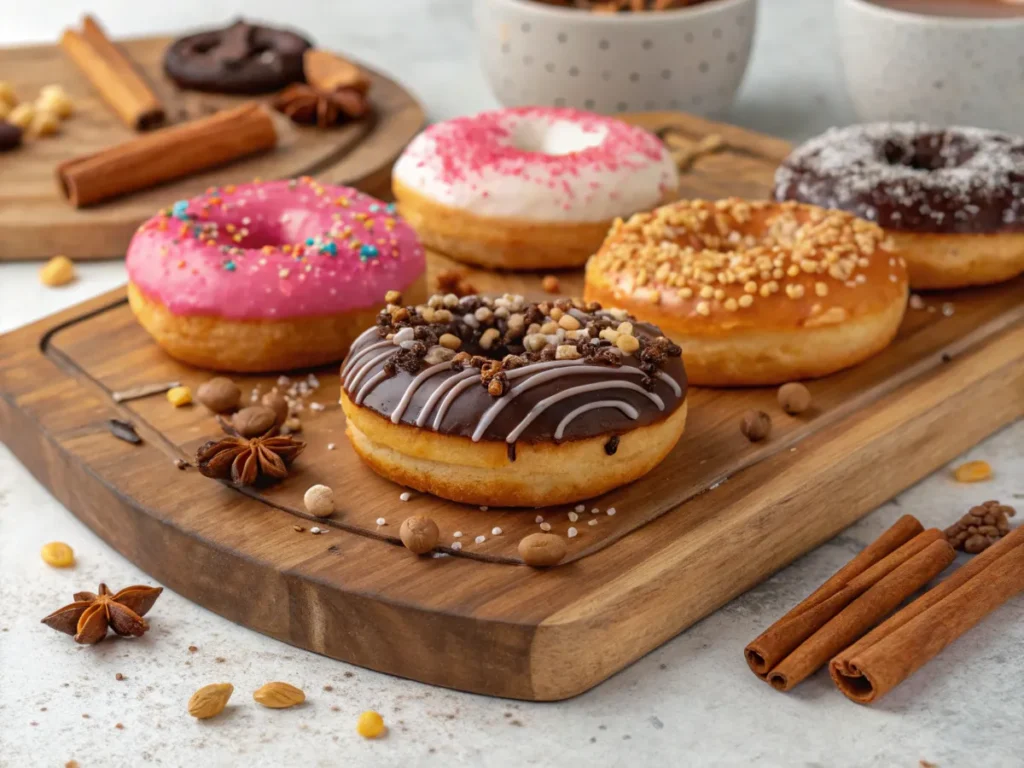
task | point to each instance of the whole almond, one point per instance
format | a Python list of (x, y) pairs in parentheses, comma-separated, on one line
[(542, 549), (210, 700), (276, 402), (219, 394), (279, 695), (254, 421)]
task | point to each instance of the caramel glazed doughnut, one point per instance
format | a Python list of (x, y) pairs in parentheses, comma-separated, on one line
[(501, 402), (952, 199), (756, 293)]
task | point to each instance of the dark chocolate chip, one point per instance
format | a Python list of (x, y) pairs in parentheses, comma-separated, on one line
[(10, 136), (612, 445)]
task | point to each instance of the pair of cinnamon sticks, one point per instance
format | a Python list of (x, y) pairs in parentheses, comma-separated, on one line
[(834, 624)]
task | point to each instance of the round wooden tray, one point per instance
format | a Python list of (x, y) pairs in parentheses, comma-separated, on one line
[(36, 222)]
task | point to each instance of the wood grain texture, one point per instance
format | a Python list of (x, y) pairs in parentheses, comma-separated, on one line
[(717, 518), (36, 222)]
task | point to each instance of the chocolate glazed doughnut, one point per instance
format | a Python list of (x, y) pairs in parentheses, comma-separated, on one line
[(501, 402), (243, 58), (952, 199)]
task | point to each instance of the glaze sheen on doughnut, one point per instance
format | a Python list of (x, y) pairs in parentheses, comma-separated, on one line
[(529, 187), (952, 198), (269, 276), (756, 293), (541, 404)]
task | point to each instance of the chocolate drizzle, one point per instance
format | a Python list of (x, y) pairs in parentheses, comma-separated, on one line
[(910, 177), (519, 374)]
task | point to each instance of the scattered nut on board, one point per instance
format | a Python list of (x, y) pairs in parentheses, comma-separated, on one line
[(210, 700), (57, 554), (419, 534), (550, 284), (52, 98), (278, 695), (220, 394), (973, 472), (542, 549), (276, 402), (756, 425), (370, 725), (254, 421), (22, 115), (179, 396), (794, 398), (59, 270), (319, 501), (7, 94), (44, 124)]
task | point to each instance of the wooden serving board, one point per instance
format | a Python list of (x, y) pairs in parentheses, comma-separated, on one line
[(36, 221), (717, 517)]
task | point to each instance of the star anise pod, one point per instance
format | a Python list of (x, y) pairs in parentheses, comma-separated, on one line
[(247, 460), (91, 614), (308, 105)]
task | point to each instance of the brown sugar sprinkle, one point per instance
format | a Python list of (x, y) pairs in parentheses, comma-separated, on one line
[(702, 251)]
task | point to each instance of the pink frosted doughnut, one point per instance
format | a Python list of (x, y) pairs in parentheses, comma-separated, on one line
[(529, 187), (270, 275)]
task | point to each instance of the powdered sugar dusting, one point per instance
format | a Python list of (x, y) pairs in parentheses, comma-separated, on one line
[(912, 177), (539, 163)]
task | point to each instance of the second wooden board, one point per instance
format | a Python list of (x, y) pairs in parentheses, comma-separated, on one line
[(36, 222)]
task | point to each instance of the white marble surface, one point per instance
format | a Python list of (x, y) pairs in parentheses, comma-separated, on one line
[(691, 702)]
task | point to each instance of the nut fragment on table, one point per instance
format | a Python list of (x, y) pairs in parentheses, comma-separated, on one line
[(973, 472), (57, 554), (756, 425), (44, 124), (220, 394), (52, 98), (279, 695), (419, 534), (59, 270), (210, 700)]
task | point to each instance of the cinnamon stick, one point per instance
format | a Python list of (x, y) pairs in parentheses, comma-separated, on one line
[(170, 153), (782, 638), (113, 75), (861, 614), (905, 642)]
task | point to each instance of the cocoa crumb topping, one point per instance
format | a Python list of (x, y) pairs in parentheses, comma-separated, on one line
[(497, 335)]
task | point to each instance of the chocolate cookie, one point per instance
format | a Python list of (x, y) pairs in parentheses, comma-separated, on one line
[(10, 136), (243, 58)]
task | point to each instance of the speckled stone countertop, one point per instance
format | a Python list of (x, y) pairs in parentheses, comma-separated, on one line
[(691, 702)]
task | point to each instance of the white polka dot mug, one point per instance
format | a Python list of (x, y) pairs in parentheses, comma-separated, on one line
[(691, 59), (935, 69)]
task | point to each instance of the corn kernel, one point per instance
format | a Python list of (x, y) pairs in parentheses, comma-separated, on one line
[(59, 270), (973, 472), (58, 554), (179, 396), (370, 725)]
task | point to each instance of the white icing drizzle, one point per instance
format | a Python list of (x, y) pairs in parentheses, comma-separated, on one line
[(436, 395), (491, 413), (376, 379), (458, 389), (547, 402), (348, 363), (673, 384), (364, 369), (414, 385), (346, 372), (622, 405)]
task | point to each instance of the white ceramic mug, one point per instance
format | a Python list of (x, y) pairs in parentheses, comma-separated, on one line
[(688, 58), (935, 69)]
